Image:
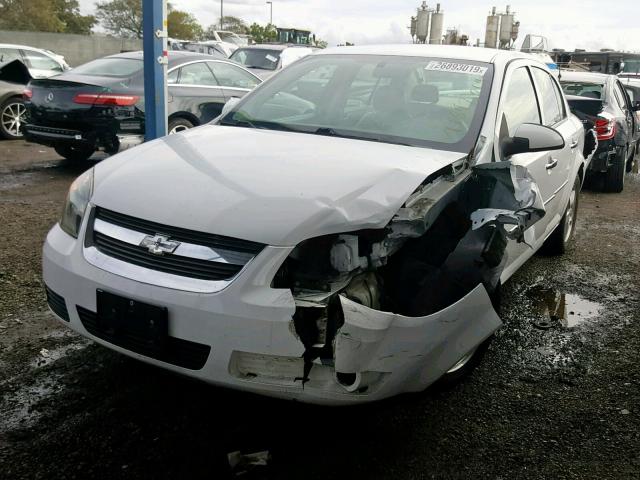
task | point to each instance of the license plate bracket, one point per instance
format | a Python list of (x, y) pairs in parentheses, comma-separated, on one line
[(128, 319)]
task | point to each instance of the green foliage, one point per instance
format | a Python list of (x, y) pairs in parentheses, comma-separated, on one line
[(183, 25), (263, 34), (44, 16), (229, 24), (121, 17)]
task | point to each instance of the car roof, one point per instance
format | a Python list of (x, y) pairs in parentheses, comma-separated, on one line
[(22, 47), (487, 55), (592, 77), (265, 46), (176, 57)]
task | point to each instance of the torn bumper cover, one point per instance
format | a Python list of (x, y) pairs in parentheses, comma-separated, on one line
[(410, 352)]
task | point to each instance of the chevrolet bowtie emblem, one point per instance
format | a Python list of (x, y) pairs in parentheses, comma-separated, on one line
[(159, 244)]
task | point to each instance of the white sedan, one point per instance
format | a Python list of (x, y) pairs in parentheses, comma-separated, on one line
[(345, 251)]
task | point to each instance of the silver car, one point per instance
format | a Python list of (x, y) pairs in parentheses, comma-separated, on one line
[(338, 236)]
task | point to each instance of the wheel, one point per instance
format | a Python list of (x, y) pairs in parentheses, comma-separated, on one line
[(74, 153), (177, 125), (558, 241), (465, 365), (614, 177), (12, 115)]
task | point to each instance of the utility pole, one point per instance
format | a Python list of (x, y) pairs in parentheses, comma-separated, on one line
[(221, 13), (271, 13), (155, 60)]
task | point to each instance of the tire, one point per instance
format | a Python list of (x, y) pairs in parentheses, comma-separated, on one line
[(614, 177), (178, 124), (559, 240), (631, 160), (464, 366), (12, 113), (74, 153)]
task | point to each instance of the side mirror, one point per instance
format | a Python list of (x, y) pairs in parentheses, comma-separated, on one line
[(232, 102), (635, 106), (532, 137)]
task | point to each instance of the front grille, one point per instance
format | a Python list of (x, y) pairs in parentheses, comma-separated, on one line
[(179, 352), (179, 234), (175, 264), (57, 304)]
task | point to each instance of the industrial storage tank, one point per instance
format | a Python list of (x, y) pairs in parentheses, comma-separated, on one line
[(414, 22), (437, 24), (491, 34), (506, 27), (422, 24)]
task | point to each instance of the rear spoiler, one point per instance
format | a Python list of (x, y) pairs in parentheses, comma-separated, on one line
[(585, 105), (15, 72)]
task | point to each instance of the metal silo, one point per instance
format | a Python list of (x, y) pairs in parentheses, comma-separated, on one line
[(437, 24), (414, 22), (506, 25), (491, 34), (422, 23)]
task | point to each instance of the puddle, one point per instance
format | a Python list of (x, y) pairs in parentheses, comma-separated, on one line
[(22, 411), (10, 181), (562, 309)]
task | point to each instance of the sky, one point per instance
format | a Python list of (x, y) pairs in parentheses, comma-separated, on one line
[(567, 24)]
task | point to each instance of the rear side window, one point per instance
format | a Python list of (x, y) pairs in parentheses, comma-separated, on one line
[(552, 107), (40, 61), (231, 76), (9, 55), (110, 67), (197, 74), (520, 104), (620, 98)]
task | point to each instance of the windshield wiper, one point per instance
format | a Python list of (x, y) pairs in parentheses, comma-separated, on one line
[(331, 132)]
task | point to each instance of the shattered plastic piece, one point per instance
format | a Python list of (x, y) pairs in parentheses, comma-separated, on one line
[(241, 464)]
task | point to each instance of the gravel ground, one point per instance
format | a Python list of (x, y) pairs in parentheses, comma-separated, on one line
[(553, 398)]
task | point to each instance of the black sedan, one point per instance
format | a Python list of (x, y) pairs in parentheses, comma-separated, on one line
[(100, 105), (601, 100)]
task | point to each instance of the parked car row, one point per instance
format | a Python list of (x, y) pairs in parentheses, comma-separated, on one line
[(339, 235)]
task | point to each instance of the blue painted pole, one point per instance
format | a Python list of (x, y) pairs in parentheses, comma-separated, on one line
[(154, 43)]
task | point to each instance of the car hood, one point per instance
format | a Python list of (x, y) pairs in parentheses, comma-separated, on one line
[(273, 187)]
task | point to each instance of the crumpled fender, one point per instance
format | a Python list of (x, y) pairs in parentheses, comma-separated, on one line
[(418, 350)]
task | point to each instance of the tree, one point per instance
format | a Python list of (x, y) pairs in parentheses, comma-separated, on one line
[(233, 24), (44, 16), (183, 25), (121, 17), (262, 34)]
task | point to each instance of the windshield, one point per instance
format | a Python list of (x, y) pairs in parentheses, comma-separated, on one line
[(230, 37), (257, 58), (582, 89), (414, 101), (110, 67)]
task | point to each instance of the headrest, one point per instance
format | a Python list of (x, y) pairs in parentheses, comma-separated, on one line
[(425, 94)]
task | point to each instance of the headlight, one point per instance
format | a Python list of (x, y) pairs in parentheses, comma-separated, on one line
[(76, 203)]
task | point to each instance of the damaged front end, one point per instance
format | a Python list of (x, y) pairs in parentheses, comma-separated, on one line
[(404, 303)]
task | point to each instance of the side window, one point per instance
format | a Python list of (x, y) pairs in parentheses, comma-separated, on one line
[(197, 74), (40, 61), (620, 98), (231, 76), (9, 55), (552, 108), (172, 77), (520, 104), (632, 94)]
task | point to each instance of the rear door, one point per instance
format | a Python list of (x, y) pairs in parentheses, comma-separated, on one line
[(519, 104), (622, 103), (194, 89)]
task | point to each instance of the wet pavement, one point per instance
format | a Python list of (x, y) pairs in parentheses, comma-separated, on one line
[(557, 395)]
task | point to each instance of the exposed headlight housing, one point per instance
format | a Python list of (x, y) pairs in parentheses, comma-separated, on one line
[(76, 203)]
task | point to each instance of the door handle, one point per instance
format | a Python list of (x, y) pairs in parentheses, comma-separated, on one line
[(574, 144), (552, 163)]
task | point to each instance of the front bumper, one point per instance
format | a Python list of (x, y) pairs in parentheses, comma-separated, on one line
[(248, 327)]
